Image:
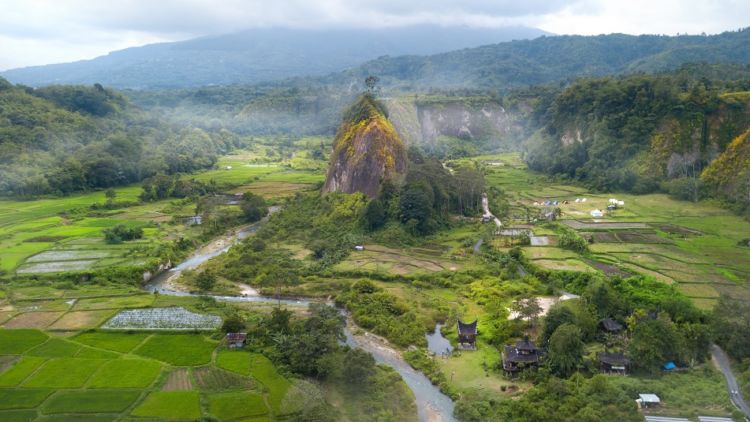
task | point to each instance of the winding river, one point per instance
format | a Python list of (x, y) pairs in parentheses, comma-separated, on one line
[(432, 405)]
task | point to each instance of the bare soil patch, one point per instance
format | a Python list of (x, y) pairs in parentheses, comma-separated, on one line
[(678, 230), (609, 270), (178, 380), (33, 320), (583, 225), (7, 361), (80, 320)]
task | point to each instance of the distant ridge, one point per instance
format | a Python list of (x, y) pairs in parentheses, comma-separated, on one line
[(259, 55)]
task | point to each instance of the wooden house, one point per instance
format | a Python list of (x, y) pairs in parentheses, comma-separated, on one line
[(613, 362), (467, 335), (236, 340), (524, 354)]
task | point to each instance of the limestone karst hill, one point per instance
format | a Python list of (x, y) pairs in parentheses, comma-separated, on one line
[(366, 151)]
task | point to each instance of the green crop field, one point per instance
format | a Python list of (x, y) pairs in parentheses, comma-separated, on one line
[(172, 405), (194, 349), (112, 401), (119, 342), (126, 373), (230, 406)]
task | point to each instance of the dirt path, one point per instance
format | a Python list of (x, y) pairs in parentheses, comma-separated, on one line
[(487, 212)]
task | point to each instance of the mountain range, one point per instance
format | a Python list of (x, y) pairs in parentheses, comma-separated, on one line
[(260, 55)]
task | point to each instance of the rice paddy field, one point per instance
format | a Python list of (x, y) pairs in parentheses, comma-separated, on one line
[(63, 234), (694, 245), (114, 376)]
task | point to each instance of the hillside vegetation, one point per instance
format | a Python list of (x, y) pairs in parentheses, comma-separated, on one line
[(641, 133), (63, 139)]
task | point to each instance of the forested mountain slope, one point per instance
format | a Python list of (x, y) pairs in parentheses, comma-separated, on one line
[(549, 59), (257, 55), (63, 139), (643, 133)]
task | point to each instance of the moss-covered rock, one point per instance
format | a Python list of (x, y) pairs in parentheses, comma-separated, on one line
[(367, 150)]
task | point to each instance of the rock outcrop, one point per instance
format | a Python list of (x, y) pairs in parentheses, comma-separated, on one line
[(367, 150)]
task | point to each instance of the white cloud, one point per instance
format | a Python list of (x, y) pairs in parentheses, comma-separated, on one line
[(47, 31)]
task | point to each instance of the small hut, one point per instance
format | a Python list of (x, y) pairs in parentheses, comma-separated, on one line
[(609, 325), (522, 355), (467, 335), (236, 340), (615, 362)]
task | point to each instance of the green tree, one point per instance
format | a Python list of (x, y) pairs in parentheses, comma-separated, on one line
[(359, 366), (233, 324), (206, 280), (253, 207), (654, 343), (565, 352), (110, 194), (374, 215)]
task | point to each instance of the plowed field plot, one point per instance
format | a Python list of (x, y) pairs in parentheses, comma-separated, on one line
[(55, 267), (584, 225), (178, 380), (80, 320), (215, 379), (72, 255), (33, 320), (396, 261)]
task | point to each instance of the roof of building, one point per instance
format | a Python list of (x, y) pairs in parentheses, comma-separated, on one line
[(649, 398), (511, 354), (234, 337), (613, 359), (526, 344), (610, 324), (464, 328)]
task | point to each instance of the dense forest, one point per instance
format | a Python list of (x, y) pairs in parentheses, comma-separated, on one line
[(63, 139), (642, 133)]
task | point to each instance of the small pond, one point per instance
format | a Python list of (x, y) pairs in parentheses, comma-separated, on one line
[(438, 344)]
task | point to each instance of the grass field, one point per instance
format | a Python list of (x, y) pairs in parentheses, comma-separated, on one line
[(170, 405)]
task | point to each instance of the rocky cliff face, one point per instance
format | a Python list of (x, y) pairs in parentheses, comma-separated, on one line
[(435, 123), (367, 150)]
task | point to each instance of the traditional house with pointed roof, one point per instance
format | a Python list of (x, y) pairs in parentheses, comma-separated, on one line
[(236, 340), (524, 354), (467, 335)]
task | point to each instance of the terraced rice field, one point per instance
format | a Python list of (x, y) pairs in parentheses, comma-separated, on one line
[(43, 376), (691, 244)]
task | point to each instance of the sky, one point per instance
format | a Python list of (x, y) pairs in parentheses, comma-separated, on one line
[(34, 32)]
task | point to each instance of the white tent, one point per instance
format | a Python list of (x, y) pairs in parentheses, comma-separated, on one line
[(597, 214)]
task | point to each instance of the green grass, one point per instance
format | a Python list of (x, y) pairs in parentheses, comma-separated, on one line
[(90, 401), (699, 391), (55, 348), (119, 342), (194, 350), (128, 373), (228, 406), (22, 398), (20, 371), (17, 415), (64, 373), (170, 405), (14, 342)]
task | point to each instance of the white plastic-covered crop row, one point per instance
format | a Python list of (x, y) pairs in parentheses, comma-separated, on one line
[(176, 318)]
